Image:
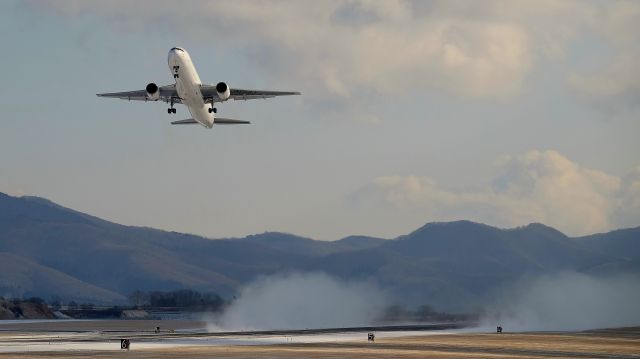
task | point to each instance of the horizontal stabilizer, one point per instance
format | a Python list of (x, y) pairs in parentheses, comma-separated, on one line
[(188, 121), (216, 121), (228, 121)]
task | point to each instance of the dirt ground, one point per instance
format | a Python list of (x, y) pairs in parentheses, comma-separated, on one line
[(611, 343)]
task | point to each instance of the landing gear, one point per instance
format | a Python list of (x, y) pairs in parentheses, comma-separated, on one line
[(171, 110), (175, 72), (213, 109)]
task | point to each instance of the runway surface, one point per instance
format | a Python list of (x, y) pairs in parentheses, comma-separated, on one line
[(183, 338)]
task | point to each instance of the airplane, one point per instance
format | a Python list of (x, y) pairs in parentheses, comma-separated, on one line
[(191, 92)]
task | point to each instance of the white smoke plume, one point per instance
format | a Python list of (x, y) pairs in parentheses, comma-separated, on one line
[(569, 301), (299, 301)]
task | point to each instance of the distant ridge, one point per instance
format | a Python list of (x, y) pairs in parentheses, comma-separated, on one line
[(51, 251)]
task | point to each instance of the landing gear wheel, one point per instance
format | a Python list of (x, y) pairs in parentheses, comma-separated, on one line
[(173, 110), (169, 110)]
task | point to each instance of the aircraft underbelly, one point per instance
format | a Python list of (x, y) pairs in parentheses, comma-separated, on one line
[(188, 88)]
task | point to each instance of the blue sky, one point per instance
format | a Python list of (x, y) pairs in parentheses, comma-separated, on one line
[(500, 112)]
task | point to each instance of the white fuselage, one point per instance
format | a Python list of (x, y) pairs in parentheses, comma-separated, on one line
[(188, 86)]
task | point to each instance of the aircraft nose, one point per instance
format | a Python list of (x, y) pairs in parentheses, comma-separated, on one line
[(173, 53)]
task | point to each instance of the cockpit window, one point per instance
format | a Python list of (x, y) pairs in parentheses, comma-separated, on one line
[(177, 48)]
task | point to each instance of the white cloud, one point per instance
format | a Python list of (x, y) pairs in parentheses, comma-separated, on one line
[(350, 51), (539, 186), (616, 84), (325, 44), (614, 87)]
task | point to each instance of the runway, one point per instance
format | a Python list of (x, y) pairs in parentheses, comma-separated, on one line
[(85, 339)]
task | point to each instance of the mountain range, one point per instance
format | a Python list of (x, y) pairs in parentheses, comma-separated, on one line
[(50, 251)]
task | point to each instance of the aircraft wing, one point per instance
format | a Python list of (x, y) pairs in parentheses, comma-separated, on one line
[(167, 93), (209, 92)]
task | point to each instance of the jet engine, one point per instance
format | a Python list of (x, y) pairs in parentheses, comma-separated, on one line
[(223, 91), (153, 92)]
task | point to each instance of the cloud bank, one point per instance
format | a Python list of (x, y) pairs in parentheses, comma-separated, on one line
[(538, 186), (349, 51)]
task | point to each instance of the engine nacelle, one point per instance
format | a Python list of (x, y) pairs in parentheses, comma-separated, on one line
[(153, 92), (224, 92)]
